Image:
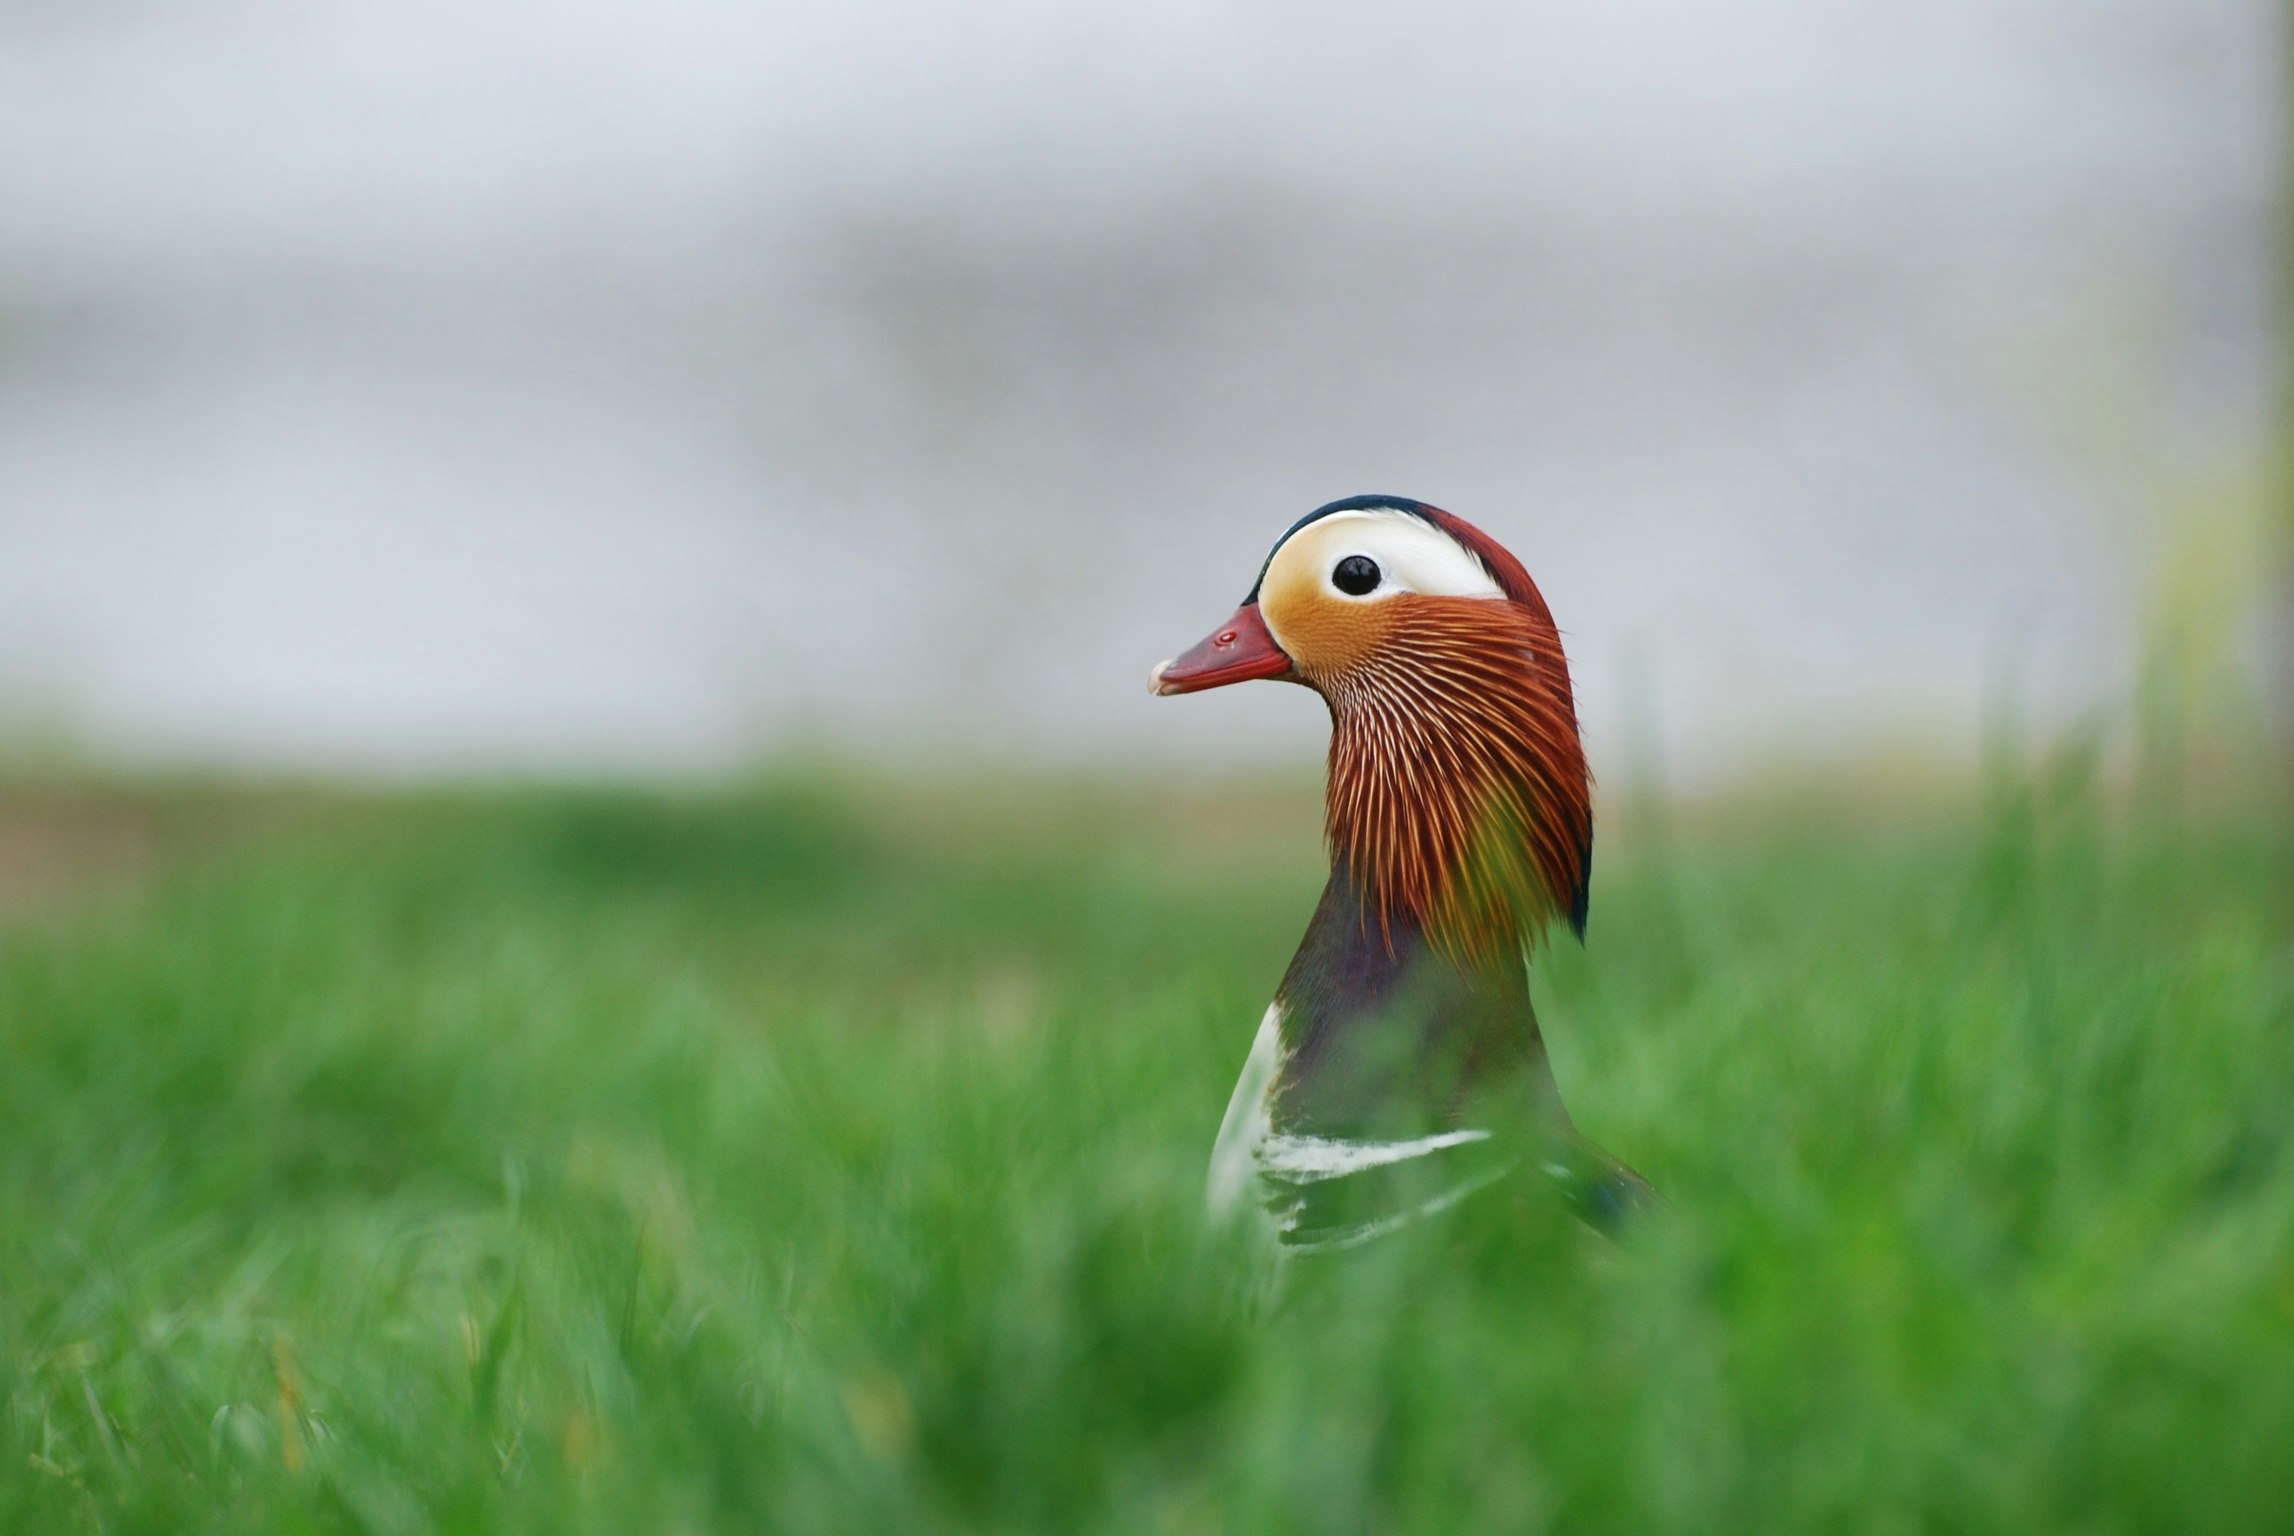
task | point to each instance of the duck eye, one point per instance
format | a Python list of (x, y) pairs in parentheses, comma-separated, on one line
[(1356, 576)]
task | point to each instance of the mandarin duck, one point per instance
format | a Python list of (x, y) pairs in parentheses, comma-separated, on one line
[(1400, 1057)]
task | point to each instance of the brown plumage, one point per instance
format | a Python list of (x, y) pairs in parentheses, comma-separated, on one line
[(1458, 791)]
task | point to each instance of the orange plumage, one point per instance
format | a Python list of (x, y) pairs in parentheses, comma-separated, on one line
[(1458, 794)]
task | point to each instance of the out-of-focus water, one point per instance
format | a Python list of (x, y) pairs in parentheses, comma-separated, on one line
[(499, 383)]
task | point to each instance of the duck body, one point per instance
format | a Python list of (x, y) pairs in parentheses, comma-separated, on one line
[(1353, 1110), (1401, 1056)]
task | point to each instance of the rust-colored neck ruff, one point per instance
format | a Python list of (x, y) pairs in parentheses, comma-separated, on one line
[(1459, 797)]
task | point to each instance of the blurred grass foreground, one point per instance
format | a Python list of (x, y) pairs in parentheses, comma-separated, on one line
[(826, 1156)]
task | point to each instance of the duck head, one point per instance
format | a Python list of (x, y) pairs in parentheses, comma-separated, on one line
[(1459, 802)]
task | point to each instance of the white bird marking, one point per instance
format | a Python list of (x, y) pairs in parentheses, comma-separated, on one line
[(1248, 1149), (1248, 1122), (1310, 1159)]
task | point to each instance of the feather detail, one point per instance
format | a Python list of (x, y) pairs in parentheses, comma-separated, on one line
[(1459, 794)]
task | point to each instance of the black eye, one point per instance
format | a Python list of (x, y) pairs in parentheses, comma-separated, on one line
[(1356, 575)]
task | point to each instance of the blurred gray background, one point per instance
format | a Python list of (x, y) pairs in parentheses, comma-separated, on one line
[(436, 387)]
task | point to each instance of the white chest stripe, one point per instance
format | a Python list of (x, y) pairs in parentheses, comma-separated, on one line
[(1310, 1159), (1249, 1150), (1248, 1123)]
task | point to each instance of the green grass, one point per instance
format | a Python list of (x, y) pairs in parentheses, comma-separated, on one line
[(816, 1159)]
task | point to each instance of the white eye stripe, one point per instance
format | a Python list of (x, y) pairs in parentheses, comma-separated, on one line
[(1411, 555)]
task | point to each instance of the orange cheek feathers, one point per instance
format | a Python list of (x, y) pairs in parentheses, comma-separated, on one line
[(1327, 637)]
